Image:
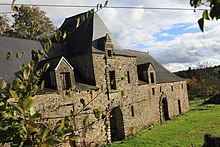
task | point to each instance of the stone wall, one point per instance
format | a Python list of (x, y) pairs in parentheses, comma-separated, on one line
[(138, 99), (56, 105), (136, 106), (126, 94)]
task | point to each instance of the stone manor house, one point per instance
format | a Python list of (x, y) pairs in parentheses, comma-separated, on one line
[(137, 90)]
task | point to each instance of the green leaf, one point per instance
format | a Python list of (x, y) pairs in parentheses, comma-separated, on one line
[(16, 83), (17, 107), (74, 137), (3, 84), (33, 130), (201, 23), (45, 134), (4, 115), (198, 2), (18, 55), (8, 56), (101, 88), (46, 66), (47, 46), (13, 94), (205, 15), (32, 64), (12, 3), (122, 93), (34, 89), (60, 128), (68, 93), (15, 8), (39, 72), (58, 35), (35, 55), (64, 35), (42, 85), (195, 3), (41, 52), (34, 79), (23, 85), (87, 15), (86, 121), (26, 73), (97, 113), (77, 22), (50, 141), (36, 115), (92, 11), (27, 103), (3, 96)]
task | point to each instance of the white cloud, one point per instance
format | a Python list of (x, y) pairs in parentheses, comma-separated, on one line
[(137, 27)]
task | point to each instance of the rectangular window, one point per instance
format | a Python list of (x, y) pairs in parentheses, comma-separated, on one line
[(179, 106), (152, 77), (112, 80), (172, 88), (160, 89), (182, 86), (132, 111), (128, 77), (109, 53), (153, 91)]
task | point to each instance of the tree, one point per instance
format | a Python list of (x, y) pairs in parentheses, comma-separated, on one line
[(4, 26), (19, 124), (212, 13), (31, 23)]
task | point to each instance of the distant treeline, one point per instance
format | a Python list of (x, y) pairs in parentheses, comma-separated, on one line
[(202, 82)]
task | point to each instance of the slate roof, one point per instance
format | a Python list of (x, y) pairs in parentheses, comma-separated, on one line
[(88, 34), (162, 74), (82, 40), (9, 68), (100, 30)]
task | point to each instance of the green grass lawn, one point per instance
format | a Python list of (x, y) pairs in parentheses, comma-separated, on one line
[(181, 131)]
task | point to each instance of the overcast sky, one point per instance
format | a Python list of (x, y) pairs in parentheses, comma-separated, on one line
[(170, 36)]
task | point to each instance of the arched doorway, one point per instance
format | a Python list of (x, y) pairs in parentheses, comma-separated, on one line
[(165, 111), (117, 124)]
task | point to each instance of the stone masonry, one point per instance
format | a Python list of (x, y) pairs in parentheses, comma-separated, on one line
[(130, 88)]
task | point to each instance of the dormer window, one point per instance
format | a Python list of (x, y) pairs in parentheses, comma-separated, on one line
[(146, 73), (61, 74)]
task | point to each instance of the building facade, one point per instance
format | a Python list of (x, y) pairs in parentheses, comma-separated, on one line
[(131, 86)]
